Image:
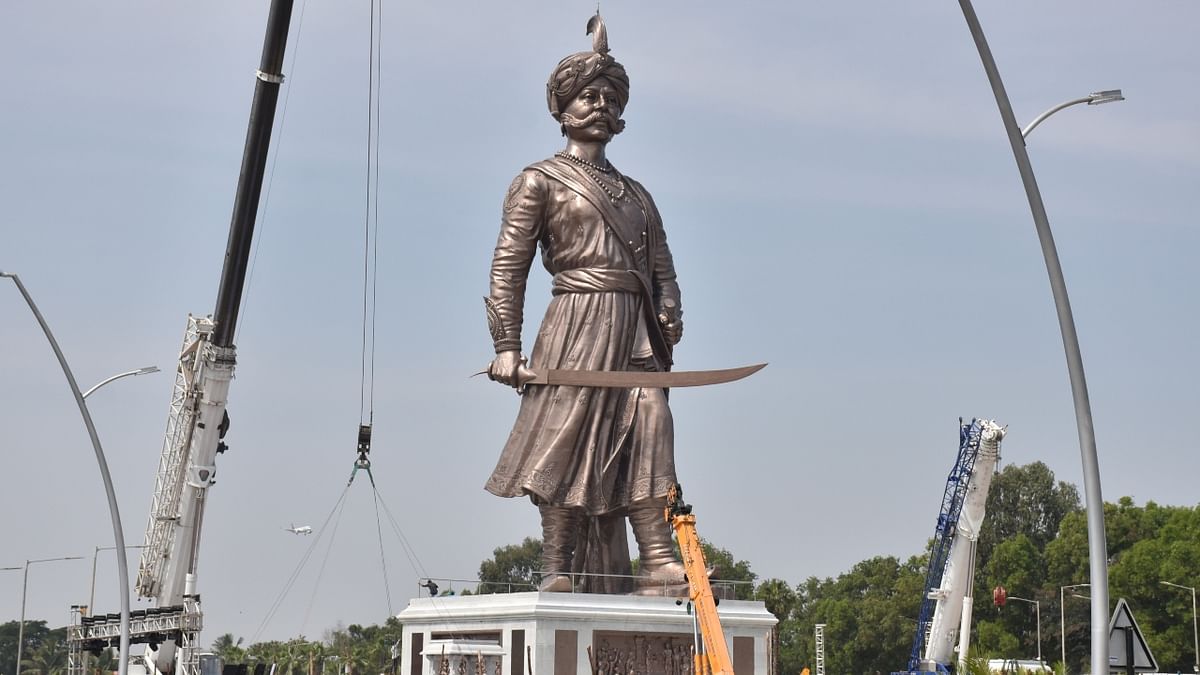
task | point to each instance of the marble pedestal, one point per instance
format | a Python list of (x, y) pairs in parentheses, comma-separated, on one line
[(550, 634)]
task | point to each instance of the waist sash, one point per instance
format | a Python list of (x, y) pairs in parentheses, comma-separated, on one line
[(599, 279)]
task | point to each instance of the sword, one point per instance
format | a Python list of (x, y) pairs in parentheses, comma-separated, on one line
[(629, 379)]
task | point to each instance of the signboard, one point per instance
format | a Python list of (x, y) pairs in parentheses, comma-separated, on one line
[(1127, 648)]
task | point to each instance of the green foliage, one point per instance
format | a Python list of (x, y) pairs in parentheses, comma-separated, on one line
[(47, 658), (1025, 499), (353, 650), (726, 569), (43, 651), (868, 614), (977, 664), (1034, 541), (511, 568), (779, 598), (229, 649)]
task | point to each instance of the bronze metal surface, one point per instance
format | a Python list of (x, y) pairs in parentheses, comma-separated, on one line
[(599, 454), (634, 378)]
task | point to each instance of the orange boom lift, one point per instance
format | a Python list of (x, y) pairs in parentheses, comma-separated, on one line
[(713, 657)]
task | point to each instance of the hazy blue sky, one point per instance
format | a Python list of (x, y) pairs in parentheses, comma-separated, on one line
[(837, 189)]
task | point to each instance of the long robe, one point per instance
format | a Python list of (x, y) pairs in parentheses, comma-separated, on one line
[(597, 449)]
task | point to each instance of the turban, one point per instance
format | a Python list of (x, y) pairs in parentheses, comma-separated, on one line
[(578, 71)]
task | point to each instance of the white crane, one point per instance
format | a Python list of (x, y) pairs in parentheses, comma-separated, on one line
[(945, 619), (197, 422)]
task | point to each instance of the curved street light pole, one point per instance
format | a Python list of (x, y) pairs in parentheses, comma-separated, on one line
[(1094, 98), (106, 477), (101, 383), (1094, 501), (1195, 633)]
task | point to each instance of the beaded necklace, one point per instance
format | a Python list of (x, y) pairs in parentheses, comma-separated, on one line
[(591, 169)]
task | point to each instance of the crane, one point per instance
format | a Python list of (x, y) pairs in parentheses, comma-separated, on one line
[(713, 657), (946, 606), (197, 421)]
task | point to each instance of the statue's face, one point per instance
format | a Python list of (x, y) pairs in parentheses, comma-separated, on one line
[(594, 114)]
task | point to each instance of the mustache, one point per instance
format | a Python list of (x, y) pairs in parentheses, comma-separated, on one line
[(615, 124)]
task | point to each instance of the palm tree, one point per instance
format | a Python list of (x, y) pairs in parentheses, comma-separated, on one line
[(295, 655), (49, 658), (105, 662), (316, 657), (228, 649)]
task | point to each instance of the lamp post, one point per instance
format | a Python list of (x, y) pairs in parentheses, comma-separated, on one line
[(1195, 634), (1037, 607), (113, 511), (1062, 619), (101, 383), (92, 595), (1094, 98), (24, 588), (1093, 500), (146, 370)]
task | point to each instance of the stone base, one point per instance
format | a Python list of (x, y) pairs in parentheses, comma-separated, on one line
[(552, 634)]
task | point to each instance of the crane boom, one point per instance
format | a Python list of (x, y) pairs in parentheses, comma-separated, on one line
[(953, 608), (714, 658), (946, 607), (198, 420)]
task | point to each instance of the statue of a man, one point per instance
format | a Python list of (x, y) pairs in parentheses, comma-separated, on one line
[(589, 457)]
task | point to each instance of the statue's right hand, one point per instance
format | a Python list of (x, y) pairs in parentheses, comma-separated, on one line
[(504, 367)]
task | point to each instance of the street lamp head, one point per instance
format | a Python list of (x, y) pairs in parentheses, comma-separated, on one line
[(146, 371), (1106, 96)]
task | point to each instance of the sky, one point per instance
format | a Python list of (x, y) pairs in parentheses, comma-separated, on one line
[(838, 193)]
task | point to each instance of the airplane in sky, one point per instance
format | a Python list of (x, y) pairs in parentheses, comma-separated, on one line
[(303, 529)]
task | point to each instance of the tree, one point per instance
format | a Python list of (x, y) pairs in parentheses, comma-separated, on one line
[(228, 649), (779, 598), (511, 568), (47, 658), (869, 615), (1011, 631), (316, 657), (36, 633), (1025, 499), (738, 573)]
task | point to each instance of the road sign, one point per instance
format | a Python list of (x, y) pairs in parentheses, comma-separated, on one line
[(1127, 648)]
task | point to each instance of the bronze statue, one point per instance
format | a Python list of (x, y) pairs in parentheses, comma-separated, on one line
[(589, 457)]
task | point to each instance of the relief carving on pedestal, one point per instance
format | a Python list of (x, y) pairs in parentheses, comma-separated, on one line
[(616, 653)]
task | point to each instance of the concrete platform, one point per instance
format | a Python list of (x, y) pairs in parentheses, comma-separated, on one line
[(550, 634)]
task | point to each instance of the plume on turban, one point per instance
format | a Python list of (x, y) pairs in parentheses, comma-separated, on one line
[(579, 70)]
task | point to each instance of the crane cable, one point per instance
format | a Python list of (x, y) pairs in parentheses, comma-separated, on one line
[(413, 560), (321, 572), (366, 400), (366, 393), (387, 589), (287, 586)]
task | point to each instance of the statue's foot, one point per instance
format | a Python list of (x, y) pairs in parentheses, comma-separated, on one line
[(668, 579), (668, 573), (555, 583)]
